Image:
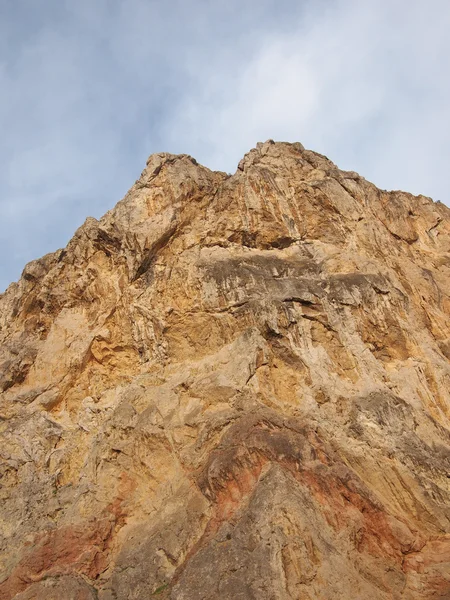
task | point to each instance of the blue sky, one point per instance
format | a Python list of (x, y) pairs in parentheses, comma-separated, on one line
[(89, 89)]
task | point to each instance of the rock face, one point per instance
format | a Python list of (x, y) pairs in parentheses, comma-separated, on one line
[(232, 387)]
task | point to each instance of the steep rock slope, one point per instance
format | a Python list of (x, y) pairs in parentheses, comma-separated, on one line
[(232, 387)]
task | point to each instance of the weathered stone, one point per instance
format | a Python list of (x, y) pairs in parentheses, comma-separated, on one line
[(232, 387)]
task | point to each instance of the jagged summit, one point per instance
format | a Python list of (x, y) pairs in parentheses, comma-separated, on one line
[(184, 168), (232, 386)]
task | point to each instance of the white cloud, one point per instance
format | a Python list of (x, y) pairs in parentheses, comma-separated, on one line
[(89, 89), (363, 82)]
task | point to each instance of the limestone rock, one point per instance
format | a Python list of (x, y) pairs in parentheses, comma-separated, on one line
[(232, 387)]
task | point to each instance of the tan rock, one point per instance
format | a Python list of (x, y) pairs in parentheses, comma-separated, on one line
[(232, 387)]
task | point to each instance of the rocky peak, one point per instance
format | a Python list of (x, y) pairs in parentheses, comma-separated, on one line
[(232, 386)]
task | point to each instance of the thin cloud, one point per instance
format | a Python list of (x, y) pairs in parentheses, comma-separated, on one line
[(363, 83), (89, 89)]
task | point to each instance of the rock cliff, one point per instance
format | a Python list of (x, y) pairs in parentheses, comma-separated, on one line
[(232, 387)]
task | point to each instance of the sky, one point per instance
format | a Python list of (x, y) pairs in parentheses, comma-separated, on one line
[(89, 89)]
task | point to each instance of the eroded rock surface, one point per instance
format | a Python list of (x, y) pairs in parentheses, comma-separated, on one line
[(232, 387)]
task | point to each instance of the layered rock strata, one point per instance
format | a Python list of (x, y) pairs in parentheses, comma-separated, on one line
[(232, 387)]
